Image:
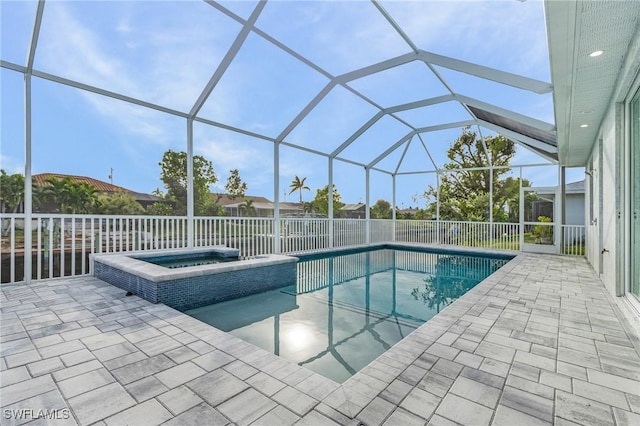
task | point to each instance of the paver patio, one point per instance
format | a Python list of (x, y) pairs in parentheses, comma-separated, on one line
[(538, 342)]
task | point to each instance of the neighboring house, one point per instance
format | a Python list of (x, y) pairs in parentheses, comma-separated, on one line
[(293, 210), (574, 204), (262, 206), (103, 187), (406, 212), (352, 211)]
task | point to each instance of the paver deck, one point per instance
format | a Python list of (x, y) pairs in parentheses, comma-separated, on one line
[(538, 342)]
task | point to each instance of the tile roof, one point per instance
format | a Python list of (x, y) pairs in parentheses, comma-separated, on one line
[(224, 199), (42, 178)]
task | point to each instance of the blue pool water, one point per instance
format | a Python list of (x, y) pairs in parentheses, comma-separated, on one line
[(346, 310), (189, 259)]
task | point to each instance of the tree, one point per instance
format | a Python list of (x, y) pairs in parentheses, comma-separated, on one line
[(174, 177), (464, 194), (119, 203), (160, 209), (70, 196), (307, 207), (321, 201), (247, 208), (11, 195), (235, 187), (82, 197), (381, 210), (39, 196), (11, 190), (56, 192), (298, 185)]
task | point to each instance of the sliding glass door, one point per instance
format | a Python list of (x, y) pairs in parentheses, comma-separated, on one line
[(634, 285)]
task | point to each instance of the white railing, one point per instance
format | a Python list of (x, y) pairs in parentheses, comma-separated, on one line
[(303, 234), (349, 232), (473, 234), (61, 244), (506, 236), (417, 231), (574, 240), (252, 236), (381, 230)]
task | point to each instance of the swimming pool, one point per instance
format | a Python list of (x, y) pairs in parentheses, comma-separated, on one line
[(191, 259), (347, 309)]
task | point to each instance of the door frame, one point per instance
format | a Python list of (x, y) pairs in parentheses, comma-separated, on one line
[(540, 248), (628, 208)]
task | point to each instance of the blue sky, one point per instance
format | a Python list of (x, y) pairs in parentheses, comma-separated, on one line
[(165, 52)]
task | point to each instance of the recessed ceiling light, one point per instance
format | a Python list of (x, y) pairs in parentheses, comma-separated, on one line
[(596, 53), (586, 111), (584, 125)]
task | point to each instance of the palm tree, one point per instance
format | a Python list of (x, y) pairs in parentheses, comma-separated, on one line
[(39, 196), (82, 197), (298, 185), (247, 207), (70, 196), (307, 207), (58, 192), (12, 193)]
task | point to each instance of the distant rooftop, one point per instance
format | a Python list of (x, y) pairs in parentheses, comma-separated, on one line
[(570, 188)]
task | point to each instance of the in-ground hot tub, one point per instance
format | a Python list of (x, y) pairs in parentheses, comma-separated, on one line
[(193, 277)]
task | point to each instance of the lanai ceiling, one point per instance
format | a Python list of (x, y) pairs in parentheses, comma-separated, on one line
[(392, 73), (584, 80)]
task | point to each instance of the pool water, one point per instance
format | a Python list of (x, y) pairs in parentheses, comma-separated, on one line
[(186, 260), (348, 309)]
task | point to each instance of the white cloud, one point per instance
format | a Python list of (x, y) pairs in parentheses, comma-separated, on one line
[(508, 35), (168, 60), (11, 165), (168, 68), (340, 36)]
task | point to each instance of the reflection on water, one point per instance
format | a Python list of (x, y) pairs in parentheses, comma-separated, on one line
[(453, 277), (346, 310)]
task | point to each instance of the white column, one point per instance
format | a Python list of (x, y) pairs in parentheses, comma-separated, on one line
[(330, 199), (367, 213), (521, 197), (28, 205), (190, 195), (558, 217), (438, 207), (393, 207), (491, 206), (276, 198)]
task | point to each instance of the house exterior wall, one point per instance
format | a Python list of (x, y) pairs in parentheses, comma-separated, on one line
[(605, 188), (592, 198), (574, 205), (609, 202), (603, 226)]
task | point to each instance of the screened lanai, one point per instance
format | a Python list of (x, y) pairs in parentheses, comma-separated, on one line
[(360, 96), (329, 113)]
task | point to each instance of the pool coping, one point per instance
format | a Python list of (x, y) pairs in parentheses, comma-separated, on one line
[(504, 353), (464, 302), (399, 348), (437, 248), (131, 263)]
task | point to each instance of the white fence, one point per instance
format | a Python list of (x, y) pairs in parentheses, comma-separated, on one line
[(61, 244), (574, 240), (253, 236)]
